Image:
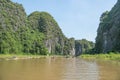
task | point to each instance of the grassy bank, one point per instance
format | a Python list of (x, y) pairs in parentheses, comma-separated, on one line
[(21, 56), (110, 56)]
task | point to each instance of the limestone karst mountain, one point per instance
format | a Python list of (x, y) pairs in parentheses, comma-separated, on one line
[(37, 33)]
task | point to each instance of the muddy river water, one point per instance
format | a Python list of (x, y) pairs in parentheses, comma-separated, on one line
[(58, 69)]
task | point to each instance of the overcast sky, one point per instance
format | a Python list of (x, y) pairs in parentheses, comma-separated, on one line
[(76, 18)]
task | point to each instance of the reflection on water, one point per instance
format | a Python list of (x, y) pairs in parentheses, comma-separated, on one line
[(58, 69), (109, 71), (77, 69)]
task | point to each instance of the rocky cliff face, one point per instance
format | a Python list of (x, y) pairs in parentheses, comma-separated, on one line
[(108, 33), (45, 23), (37, 33), (83, 46)]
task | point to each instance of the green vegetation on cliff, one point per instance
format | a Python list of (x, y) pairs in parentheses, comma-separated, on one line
[(12, 26), (43, 22), (16, 36), (108, 33), (86, 46)]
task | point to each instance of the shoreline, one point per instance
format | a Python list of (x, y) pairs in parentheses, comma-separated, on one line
[(18, 57), (111, 56)]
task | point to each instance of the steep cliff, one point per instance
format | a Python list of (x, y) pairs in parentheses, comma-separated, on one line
[(43, 22), (84, 46), (108, 33)]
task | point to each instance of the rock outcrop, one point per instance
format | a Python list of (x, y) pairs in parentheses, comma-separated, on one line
[(45, 23), (83, 46), (108, 33)]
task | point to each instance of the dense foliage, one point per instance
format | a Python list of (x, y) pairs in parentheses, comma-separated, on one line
[(15, 34), (86, 46), (44, 23)]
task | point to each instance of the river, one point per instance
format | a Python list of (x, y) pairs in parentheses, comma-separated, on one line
[(58, 69)]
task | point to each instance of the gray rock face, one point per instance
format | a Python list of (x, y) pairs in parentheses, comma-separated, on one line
[(72, 47), (83, 46), (49, 45), (108, 34), (78, 48), (54, 45)]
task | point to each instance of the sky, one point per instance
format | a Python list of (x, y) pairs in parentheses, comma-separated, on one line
[(76, 18)]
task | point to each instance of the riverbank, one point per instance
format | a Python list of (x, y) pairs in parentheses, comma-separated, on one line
[(16, 57), (110, 56)]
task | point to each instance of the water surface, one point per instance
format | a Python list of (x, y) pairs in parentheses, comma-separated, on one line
[(58, 69)]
